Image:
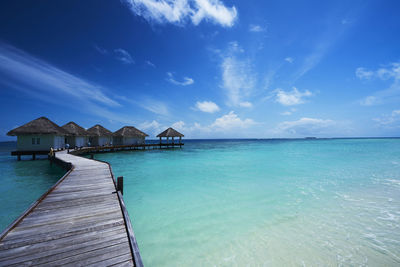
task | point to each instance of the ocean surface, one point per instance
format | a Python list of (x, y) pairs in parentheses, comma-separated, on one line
[(303, 202), (22, 182), (265, 202)]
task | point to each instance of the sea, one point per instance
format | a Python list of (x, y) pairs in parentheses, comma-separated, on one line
[(289, 202)]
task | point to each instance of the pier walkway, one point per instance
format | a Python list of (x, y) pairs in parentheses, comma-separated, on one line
[(80, 221)]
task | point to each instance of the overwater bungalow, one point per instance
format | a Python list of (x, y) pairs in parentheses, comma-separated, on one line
[(170, 132), (129, 135), (39, 135), (99, 136), (78, 137)]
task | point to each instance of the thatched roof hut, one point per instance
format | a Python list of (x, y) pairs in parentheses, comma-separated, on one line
[(98, 130), (129, 131), (170, 132), (39, 126), (129, 135), (74, 129)]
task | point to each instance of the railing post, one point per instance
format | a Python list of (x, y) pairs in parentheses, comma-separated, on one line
[(120, 184)]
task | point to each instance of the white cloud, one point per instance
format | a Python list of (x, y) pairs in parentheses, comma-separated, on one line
[(119, 54), (391, 120), (256, 28), (181, 11), (305, 126), (363, 74), (155, 106), (149, 63), (288, 112), (101, 50), (237, 76), (245, 104), (147, 103), (389, 73), (370, 101), (289, 59), (290, 98), (152, 128), (231, 121), (179, 126), (392, 71), (207, 106), (227, 125), (123, 56), (26, 71), (186, 80)]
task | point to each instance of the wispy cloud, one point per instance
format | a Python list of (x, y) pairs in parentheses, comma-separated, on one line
[(207, 106), (24, 70), (319, 48), (120, 54), (291, 98), (289, 59), (256, 28), (288, 112), (186, 80), (238, 76), (390, 121), (123, 56), (45, 82), (155, 106), (101, 50), (305, 126), (389, 73), (150, 64), (181, 11)]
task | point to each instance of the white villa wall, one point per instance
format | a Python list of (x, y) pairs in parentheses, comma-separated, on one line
[(103, 140), (59, 142), (80, 141), (133, 141), (24, 142)]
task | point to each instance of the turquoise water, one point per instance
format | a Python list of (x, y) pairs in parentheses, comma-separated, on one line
[(22, 183), (265, 203)]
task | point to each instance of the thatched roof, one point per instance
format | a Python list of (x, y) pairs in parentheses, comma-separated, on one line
[(41, 125), (74, 129), (170, 132), (130, 131), (98, 130)]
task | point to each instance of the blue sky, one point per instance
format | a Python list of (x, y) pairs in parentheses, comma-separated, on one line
[(209, 68)]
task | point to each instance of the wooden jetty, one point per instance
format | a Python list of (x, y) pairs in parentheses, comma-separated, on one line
[(80, 221), (101, 149)]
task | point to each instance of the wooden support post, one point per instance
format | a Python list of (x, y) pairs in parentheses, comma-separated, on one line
[(160, 142), (33, 156), (180, 141), (120, 184), (173, 142)]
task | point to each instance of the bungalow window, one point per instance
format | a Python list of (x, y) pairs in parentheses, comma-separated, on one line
[(33, 141), (38, 141)]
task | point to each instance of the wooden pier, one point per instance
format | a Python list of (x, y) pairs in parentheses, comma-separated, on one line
[(80, 221), (100, 149)]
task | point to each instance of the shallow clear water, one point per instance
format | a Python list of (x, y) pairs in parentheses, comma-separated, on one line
[(22, 182), (271, 202)]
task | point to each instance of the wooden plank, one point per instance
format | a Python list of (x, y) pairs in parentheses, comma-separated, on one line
[(79, 222), (67, 226), (95, 256), (63, 246), (121, 261), (20, 242)]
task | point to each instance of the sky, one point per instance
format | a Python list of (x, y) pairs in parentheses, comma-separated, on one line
[(208, 68)]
